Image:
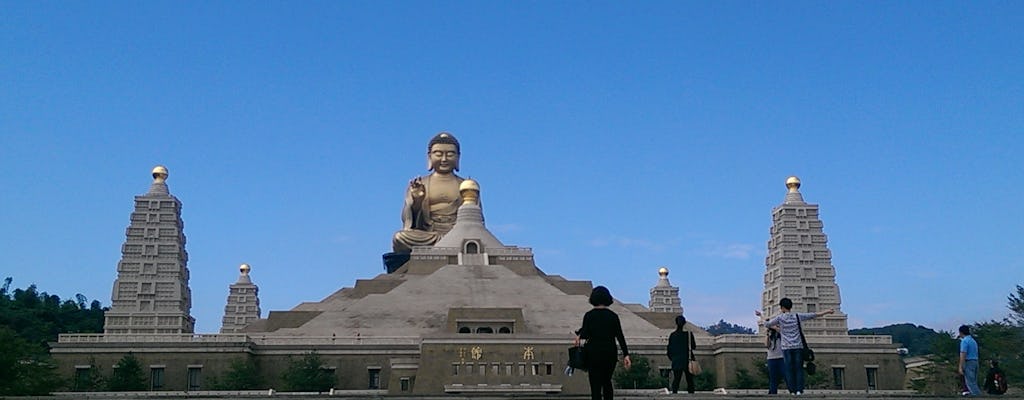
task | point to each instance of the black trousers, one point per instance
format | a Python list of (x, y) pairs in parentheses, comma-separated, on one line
[(601, 381), (677, 374)]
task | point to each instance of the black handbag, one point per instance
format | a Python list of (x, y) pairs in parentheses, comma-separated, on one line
[(577, 358), (806, 353)]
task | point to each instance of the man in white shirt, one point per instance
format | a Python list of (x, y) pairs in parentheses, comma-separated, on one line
[(792, 345)]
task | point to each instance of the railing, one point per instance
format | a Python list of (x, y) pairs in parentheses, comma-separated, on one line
[(151, 338), (413, 340), (816, 339), (335, 340), (237, 338)]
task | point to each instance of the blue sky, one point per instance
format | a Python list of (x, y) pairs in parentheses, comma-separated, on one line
[(611, 137)]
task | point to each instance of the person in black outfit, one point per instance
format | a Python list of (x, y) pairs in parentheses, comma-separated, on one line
[(601, 328), (992, 380), (679, 344)]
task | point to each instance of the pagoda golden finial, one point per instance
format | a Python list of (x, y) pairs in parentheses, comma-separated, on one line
[(159, 174), (470, 191), (244, 269), (793, 183), (663, 272)]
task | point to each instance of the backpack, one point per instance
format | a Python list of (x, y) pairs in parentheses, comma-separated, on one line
[(999, 383)]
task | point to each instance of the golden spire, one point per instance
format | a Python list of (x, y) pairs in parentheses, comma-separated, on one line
[(470, 191), (159, 174), (244, 269), (793, 183), (663, 272)]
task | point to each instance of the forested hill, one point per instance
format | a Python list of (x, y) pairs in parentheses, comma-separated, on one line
[(917, 339), (37, 317)]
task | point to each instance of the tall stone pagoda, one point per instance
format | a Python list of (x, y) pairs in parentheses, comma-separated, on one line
[(664, 296), (799, 265), (151, 293), (243, 305)]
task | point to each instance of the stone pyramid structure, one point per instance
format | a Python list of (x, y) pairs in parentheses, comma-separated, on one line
[(664, 296), (469, 282), (799, 265), (243, 305), (151, 293)]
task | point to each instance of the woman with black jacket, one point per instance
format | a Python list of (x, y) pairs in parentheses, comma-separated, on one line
[(601, 329)]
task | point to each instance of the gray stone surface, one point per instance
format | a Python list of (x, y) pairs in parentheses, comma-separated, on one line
[(243, 305), (151, 292), (799, 265), (664, 296)]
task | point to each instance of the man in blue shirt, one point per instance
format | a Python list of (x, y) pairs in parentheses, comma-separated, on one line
[(969, 361)]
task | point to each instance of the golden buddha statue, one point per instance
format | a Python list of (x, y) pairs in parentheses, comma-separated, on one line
[(431, 201)]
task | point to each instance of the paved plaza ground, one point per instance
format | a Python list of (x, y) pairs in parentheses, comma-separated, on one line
[(622, 395)]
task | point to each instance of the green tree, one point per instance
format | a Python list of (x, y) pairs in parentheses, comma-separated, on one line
[(127, 375), (40, 317), (1016, 305), (241, 375), (23, 370), (307, 374), (90, 380), (916, 339), (722, 328), (638, 376), (754, 378), (746, 380), (705, 381)]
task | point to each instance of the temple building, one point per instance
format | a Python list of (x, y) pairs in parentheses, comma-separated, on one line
[(799, 265), (456, 312), (664, 296), (243, 306), (151, 293)]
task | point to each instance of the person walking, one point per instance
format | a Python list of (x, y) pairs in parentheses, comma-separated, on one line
[(792, 345), (601, 329), (968, 368), (680, 345)]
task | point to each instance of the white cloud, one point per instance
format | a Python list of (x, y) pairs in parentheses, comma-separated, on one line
[(733, 251), (636, 243)]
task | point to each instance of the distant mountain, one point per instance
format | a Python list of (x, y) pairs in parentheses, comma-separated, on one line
[(917, 339), (722, 328)]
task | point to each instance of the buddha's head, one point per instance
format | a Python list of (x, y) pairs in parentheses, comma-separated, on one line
[(443, 153)]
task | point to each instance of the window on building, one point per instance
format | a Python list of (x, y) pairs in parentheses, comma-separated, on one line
[(504, 329), (483, 369), (156, 378), (872, 378), (838, 378), (548, 369), (83, 378), (194, 376), (522, 369), (484, 329), (465, 329), (404, 384), (455, 369), (374, 378), (495, 369), (534, 369), (812, 308), (472, 248)]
